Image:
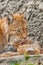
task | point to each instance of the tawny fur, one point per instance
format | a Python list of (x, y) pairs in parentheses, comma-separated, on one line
[(3, 33)]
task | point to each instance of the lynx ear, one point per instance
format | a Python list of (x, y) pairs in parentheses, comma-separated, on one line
[(1, 21), (3, 24), (3, 29), (18, 17), (5, 19)]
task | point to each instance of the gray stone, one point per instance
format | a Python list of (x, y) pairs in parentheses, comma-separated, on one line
[(41, 6)]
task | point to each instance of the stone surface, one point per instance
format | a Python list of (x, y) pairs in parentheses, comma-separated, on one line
[(37, 60), (33, 11)]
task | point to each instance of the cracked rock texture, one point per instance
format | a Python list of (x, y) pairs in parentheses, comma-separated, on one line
[(33, 12)]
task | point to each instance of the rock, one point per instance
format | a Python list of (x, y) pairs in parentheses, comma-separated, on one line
[(9, 48), (41, 6)]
